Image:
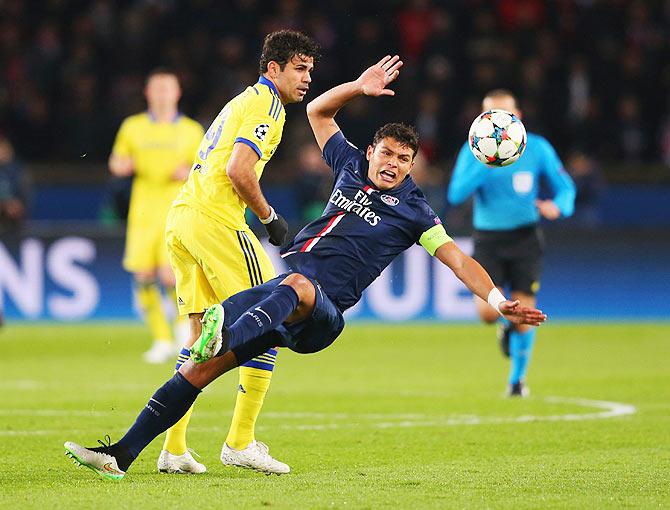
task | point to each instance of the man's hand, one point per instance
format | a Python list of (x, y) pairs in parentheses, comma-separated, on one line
[(374, 79), (13, 208), (121, 166), (514, 312), (276, 227), (548, 209)]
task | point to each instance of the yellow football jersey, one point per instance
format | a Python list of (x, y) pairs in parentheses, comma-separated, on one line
[(156, 149), (256, 118)]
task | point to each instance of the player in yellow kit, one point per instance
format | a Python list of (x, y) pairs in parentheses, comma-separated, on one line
[(211, 248), (157, 148)]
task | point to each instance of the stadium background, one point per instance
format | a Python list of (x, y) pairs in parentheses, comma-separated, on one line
[(592, 76)]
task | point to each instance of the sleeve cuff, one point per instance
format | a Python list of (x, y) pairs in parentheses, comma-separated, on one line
[(250, 144), (333, 140)]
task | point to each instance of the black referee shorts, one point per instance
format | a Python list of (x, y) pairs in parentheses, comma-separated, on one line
[(513, 258)]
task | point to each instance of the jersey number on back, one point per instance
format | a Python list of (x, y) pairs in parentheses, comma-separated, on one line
[(213, 133)]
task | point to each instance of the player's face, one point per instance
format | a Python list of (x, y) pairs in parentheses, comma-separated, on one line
[(501, 103), (293, 81), (162, 92), (389, 163)]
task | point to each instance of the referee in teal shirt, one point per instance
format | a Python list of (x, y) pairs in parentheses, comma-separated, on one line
[(507, 236)]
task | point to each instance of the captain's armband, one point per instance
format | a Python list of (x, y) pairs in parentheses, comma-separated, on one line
[(433, 238)]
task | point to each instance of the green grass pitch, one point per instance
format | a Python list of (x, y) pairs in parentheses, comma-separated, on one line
[(390, 416)]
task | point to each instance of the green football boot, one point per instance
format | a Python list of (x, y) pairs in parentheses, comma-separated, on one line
[(210, 340)]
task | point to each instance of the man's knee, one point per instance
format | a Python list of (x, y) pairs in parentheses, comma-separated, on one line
[(303, 286)]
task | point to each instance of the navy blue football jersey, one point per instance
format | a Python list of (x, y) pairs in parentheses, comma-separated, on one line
[(362, 229)]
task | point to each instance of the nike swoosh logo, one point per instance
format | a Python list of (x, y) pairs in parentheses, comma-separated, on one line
[(108, 467), (154, 400)]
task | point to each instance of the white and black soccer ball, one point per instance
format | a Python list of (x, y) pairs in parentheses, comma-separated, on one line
[(497, 138)]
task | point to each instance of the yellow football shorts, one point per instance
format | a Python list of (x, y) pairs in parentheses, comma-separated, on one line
[(211, 261), (145, 248)]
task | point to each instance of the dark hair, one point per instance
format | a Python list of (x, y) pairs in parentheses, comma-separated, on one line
[(159, 71), (283, 45), (403, 133)]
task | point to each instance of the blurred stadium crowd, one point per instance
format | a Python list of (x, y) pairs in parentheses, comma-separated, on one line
[(592, 75)]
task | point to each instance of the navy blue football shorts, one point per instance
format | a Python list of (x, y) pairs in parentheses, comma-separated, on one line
[(308, 336)]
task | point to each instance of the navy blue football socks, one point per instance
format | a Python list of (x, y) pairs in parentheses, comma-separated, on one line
[(164, 409), (263, 317)]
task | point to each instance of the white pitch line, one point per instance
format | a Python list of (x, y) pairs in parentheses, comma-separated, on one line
[(608, 410)]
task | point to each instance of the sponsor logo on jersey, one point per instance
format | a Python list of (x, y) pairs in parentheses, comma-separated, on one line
[(358, 205), (389, 200)]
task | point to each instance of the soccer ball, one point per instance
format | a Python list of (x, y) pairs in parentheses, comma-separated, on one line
[(497, 138)]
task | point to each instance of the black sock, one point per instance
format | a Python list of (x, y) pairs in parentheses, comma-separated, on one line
[(164, 409)]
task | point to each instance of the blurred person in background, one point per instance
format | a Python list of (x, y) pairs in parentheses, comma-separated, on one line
[(12, 187), (506, 215), (156, 148), (591, 186), (628, 135), (12, 192), (314, 182)]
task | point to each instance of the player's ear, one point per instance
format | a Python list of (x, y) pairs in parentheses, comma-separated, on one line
[(368, 153), (273, 69)]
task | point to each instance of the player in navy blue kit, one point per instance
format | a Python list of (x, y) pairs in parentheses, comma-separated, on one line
[(375, 212), (508, 241)]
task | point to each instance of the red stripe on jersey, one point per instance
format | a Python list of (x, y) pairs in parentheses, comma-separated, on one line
[(327, 229)]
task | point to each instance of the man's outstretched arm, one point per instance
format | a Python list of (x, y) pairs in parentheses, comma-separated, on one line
[(475, 278), (321, 111)]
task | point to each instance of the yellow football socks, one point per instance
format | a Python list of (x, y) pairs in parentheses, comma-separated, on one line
[(255, 377), (149, 298), (175, 438)]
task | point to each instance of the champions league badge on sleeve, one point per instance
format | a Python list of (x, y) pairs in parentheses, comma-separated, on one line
[(261, 130)]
